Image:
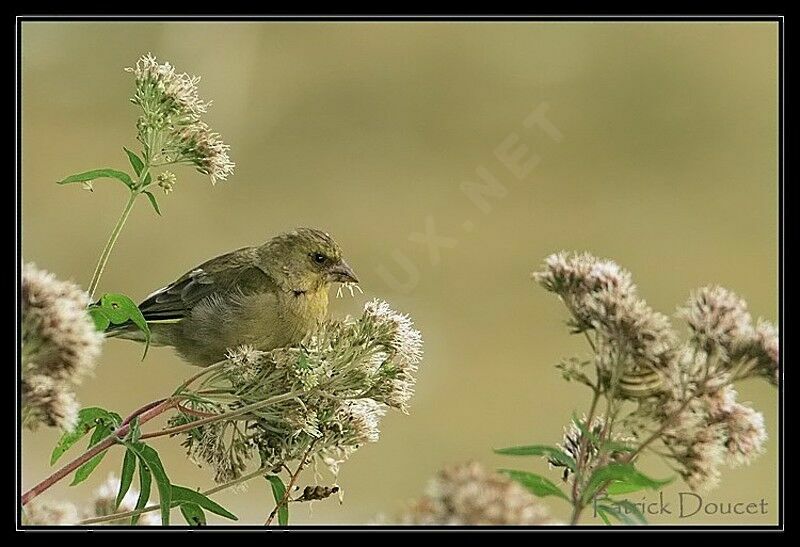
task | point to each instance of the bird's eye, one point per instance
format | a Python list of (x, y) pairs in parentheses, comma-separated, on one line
[(319, 258)]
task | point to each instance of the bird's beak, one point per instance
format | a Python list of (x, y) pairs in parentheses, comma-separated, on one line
[(342, 273)]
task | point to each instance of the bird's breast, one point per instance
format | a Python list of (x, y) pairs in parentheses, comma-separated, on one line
[(307, 308)]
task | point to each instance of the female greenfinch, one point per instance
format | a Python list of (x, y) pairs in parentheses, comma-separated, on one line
[(267, 297)]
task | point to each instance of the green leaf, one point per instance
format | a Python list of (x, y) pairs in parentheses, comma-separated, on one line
[(117, 307), (136, 163), (278, 492), (86, 422), (126, 477), (152, 199), (151, 458), (181, 495), (621, 515), (551, 452), (617, 488), (82, 473), (601, 512), (536, 484), (623, 477), (88, 419), (120, 309), (101, 320), (630, 508), (615, 446), (87, 176), (145, 481), (193, 514)]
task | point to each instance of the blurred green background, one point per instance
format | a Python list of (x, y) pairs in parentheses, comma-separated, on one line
[(667, 163)]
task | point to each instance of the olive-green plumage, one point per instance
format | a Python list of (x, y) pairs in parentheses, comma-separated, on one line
[(267, 297)]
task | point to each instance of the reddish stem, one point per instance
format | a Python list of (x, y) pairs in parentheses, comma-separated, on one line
[(145, 414), (195, 413), (141, 410)]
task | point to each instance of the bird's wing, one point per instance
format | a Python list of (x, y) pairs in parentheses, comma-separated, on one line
[(235, 272)]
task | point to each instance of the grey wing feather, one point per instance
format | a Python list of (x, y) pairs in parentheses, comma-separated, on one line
[(235, 272)]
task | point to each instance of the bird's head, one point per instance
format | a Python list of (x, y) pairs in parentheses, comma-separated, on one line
[(307, 259)]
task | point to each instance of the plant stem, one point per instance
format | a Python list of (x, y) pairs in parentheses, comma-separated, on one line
[(577, 503), (296, 475), (223, 416), (145, 413), (577, 497), (101, 264), (577, 509), (591, 343), (117, 516), (200, 374), (657, 433), (141, 410)]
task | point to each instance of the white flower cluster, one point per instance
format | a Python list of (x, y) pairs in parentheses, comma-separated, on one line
[(334, 388), (170, 127)]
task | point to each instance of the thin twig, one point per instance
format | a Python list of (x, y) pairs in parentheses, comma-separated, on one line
[(200, 374), (195, 413), (141, 410), (292, 481), (583, 448), (657, 433), (222, 416), (589, 339), (584, 444), (112, 239)]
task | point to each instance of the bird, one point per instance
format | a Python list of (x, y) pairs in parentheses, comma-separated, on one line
[(267, 296)]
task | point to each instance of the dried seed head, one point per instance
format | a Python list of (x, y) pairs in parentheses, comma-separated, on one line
[(50, 513), (572, 274), (602, 298), (59, 338), (468, 494), (318, 492), (718, 318), (761, 355), (745, 434), (49, 402), (703, 459), (685, 392)]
